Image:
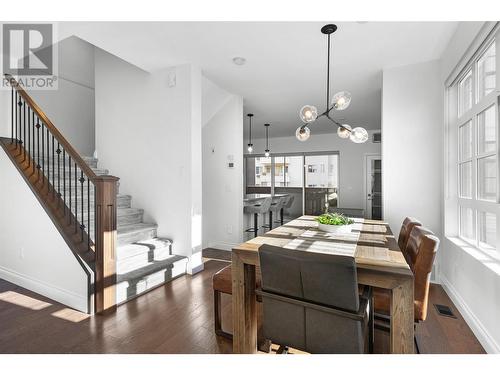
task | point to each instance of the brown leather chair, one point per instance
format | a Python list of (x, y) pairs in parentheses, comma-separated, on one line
[(421, 250), (404, 233)]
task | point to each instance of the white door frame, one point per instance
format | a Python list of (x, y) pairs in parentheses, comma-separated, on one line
[(366, 173)]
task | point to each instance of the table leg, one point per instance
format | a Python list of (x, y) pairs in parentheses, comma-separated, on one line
[(244, 309), (402, 316)]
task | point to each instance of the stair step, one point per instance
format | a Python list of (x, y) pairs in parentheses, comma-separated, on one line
[(125, 216), (134, 283), (140, 254), (56, 171), (91, 161), (128, 234), (123, 201)]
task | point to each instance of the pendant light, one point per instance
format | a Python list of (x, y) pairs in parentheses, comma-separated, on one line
[(340, 101), (267, 153), (250, 144)]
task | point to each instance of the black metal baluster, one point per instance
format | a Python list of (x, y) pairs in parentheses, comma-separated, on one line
[(38, 166), (70, 208), (12, 107), (32, 142), (76, 200), (82, 180), (43, 153), (53, 167), (17, 110), (88, 213), (48, 161), (23, 141), (64, 179), (18, 132), (29, 137), (58, 152)]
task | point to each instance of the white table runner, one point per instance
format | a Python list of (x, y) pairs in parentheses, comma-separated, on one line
[(325, 242)]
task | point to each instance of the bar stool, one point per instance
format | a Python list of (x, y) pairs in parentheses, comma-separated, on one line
[(275, 207), (257, 209), (288, 205)]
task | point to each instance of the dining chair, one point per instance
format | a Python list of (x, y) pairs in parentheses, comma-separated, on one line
[(404, 234), (256, 210), (311, 302), (421, 248)]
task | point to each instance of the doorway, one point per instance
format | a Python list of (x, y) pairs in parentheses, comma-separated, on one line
[(373, 187)]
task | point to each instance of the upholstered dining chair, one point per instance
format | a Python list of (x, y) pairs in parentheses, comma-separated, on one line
[(404, 233), (421, 248), (311, 302)]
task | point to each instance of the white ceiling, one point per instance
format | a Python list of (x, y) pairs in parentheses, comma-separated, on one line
[(286, 61)]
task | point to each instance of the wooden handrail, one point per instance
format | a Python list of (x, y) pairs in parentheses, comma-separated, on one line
[(105, 206), (54, 131)]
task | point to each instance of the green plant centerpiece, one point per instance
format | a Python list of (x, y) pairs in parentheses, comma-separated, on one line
[(333, 222)]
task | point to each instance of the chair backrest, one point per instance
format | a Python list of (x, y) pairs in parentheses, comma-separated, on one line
[(289, 201), (327, 281), (421, 248), (265, 205), (404, 233), (318, 278), (280, 203)]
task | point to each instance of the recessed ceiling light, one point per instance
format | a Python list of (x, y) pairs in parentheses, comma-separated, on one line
[(239, 60)]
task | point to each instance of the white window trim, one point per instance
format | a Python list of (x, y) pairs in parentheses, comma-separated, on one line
[(493, 98)]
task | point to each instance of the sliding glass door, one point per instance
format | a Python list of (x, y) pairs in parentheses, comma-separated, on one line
[(311, 178), (289, 179), (321, 183)]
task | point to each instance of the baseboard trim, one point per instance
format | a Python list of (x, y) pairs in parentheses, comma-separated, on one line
[(487, 341), (53, 292)]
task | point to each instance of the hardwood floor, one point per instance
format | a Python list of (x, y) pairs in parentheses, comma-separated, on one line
[(175, 318)]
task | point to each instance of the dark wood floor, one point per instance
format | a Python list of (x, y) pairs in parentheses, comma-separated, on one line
[(175, 318)]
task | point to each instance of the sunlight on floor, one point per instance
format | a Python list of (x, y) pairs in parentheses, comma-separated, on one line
[(70, 315), (23, 301)]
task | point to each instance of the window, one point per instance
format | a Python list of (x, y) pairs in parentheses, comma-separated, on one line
[(475, 118), (486, 69), (465, 93)]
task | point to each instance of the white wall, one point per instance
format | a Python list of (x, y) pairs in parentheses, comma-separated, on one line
[(470, 277), (149, 135), (71, 106), (412, 113), (40, 261), (223, 186), (352, 160)]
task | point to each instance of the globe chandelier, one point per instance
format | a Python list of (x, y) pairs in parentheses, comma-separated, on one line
[(340, 101)]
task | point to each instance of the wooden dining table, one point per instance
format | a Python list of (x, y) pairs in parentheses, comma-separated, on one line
[(379, 263)]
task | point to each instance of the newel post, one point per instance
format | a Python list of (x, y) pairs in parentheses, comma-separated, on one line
[(105, 243)]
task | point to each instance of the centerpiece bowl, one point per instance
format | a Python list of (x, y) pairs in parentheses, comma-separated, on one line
[(334, 223)]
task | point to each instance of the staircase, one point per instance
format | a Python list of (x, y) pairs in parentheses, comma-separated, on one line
[(122, 254), (143, 260)]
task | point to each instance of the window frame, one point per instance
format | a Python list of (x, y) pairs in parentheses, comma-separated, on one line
[(460, 119)]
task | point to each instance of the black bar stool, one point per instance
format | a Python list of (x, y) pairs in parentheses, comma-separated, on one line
[(257, 209)]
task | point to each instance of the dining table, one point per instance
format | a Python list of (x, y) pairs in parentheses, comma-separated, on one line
[(379, 263)]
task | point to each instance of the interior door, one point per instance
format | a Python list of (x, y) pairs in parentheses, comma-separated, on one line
[(373, 182)]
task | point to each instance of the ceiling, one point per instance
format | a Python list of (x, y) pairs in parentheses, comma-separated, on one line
[(285, 61)]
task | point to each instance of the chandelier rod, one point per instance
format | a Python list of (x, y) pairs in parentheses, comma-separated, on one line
[(328, 77)]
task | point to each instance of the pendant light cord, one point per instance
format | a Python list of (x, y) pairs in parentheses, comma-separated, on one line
[(250, 137), (328, 77)]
